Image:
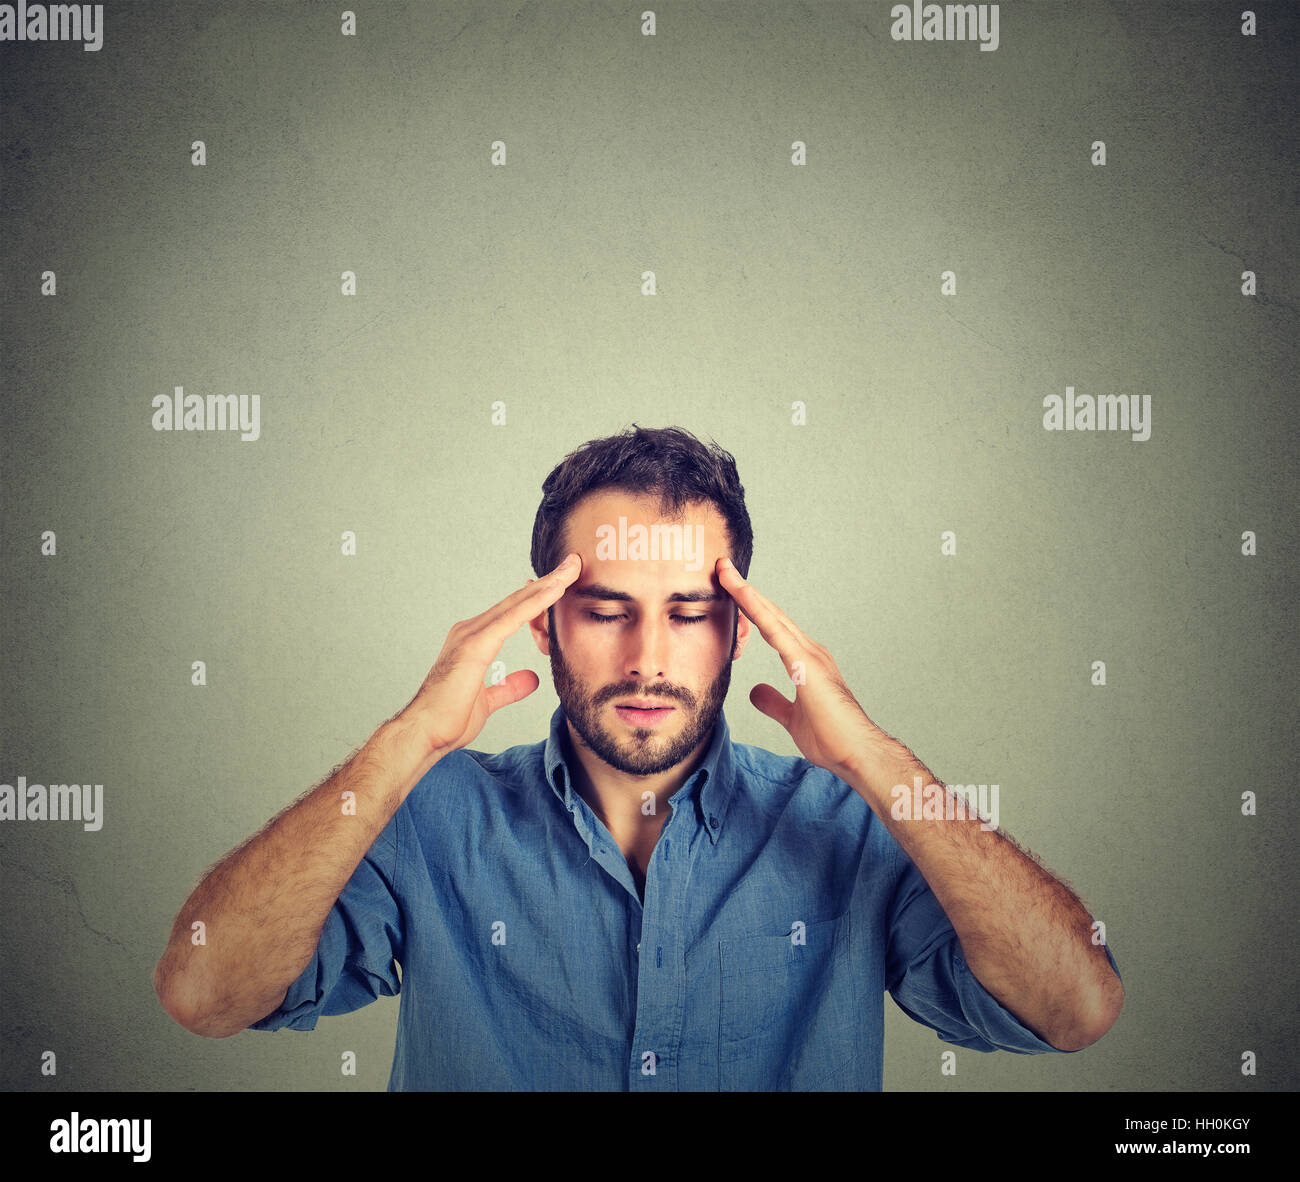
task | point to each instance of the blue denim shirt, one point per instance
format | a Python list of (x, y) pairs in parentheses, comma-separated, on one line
[(778, 909)]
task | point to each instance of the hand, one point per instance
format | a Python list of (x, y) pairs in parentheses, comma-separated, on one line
[(825, 720), (452, 705)]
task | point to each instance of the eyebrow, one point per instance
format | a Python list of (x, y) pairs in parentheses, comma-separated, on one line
[(599, 591)]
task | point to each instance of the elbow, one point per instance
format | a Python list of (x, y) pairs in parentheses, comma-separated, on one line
[(179, 1006), (171, 998), (1094, 1018)]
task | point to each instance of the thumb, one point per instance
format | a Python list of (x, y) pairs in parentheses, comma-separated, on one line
[(771, 702), (512, 688)]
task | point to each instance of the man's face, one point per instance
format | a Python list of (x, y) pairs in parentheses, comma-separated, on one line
[(641, 645)]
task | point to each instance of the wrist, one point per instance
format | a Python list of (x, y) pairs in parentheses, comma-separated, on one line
[(878, 765), (405, 748)]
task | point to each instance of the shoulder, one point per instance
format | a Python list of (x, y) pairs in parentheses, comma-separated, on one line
[(509, 766), (778, 778), (473, 779)]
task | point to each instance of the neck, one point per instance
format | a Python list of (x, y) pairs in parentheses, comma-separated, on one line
[(617, 797)]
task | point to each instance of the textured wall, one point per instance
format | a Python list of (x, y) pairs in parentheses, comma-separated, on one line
[(775, 283)]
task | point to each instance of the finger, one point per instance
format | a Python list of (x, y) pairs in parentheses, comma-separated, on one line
[(794, 628), (771, 623), (533, 598), (511, 688), (772, 703)]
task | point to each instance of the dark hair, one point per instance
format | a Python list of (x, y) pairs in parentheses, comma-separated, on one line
[(665, 462)]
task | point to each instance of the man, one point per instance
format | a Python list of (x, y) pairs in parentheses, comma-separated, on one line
[(638, 902)]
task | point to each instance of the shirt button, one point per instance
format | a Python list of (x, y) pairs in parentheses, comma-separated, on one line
[(638, 948), (713, 822)]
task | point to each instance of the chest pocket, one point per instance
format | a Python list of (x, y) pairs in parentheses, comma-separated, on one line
[(788, 1008)]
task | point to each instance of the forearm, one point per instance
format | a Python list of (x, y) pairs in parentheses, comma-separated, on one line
[(1024, 934), (264, 904)]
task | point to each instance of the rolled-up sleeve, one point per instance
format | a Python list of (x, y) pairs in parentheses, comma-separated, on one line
[(928, 977), (354, 960)]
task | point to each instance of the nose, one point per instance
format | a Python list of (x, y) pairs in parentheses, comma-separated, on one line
[(647, 649)]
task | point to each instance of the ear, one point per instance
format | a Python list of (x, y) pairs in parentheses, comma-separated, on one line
[(743, 627), (541, 638)]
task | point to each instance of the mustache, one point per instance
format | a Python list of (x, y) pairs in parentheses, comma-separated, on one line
[(630, 689)]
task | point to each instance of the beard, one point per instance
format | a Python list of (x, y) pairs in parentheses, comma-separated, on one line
[(647, 752)]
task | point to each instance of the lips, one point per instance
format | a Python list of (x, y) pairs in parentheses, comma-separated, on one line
[(642, 712)]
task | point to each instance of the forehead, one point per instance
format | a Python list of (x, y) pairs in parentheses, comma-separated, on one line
[(628, 541)]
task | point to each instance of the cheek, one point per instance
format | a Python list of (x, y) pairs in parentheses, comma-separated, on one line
[(581, 640), (707, 650)]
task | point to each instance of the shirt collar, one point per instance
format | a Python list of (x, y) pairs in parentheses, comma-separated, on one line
[(710, 786)]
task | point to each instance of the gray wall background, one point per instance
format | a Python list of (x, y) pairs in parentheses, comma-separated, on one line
[(776, 283)]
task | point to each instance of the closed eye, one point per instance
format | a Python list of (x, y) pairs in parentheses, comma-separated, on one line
[(623, 616)]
